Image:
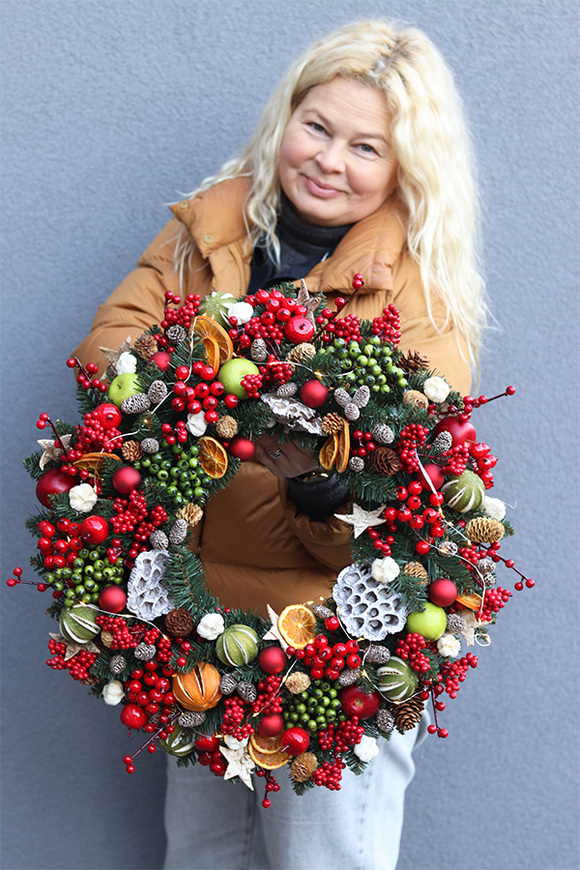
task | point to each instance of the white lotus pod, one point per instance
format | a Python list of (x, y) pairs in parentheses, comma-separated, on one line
[(366, 607), (147, 597)]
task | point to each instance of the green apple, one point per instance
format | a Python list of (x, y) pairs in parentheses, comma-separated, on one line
[(431, 622), (233, 372), (122, 387)]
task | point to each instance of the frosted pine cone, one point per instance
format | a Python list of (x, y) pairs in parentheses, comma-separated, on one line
[(356, 463), (158, 540), (157, 392), (376, 654), (385, 720), (176, 334), (448, 548), (349, 676), (135, 404), (247, 691), (301, 353), (321, 611), (228, 684), (145, 651), (191, 719), (258, 350), (382, 433), (303, 766), (484, 530), (150, 445), (178, 532), (455, 623), (287, 390), (117, 664), (443, 442), (145, 346)]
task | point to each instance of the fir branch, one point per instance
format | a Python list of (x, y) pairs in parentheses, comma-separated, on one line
[(32, 466), (184, 579)]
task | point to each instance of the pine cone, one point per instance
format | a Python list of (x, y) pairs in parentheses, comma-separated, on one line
[(331, 423), (321, 611), (448, 548), (191, 718), (145, 346), (455, 623), (351, 411), (107, 639), (412, 362), (443, 442), (145, 651), (385, 720), (226, 427), (179, 622), (485, 565), (382, 433), (301, 353), (407, 715), (416, 570), (258, 350), (386, 461), (191, 513), (297, 682), (484, 530), (131, 451), (150, 445), (247, 691), (135, 404), (356, 463), (158, 540), (178, 532), (176, 334), (228, 684), (286, 391), (378, 655), (416, 399), (303, 766), (157, 392), (117, 664), (349, 676)]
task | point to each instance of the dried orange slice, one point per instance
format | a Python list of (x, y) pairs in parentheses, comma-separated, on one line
[(343, 451), (470, 600), (93, 461), (266, 745), (213, 457), (269, 761), (296, 625), (217, 343), (328, 452)]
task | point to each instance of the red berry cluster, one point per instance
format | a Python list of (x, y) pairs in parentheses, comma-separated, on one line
[(271, 785), (365, 443), (93, 436), (411, 649), (83, 378), (325, 659), (472, 554), (236, 711), (411, 437), (59, 552), (252, 384), (483, 461), (214, 760), (388, 325), (453, 673), (269, 324), (182, 315), (152, 691), (274, 372), (457, 458), (268, 699), (133, 518), (347, 327), (78, 665), (493, 602), (411, 511), (123, 636), (349, 733), (329, 774)]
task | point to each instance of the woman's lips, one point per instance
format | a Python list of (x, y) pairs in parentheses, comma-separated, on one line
[(318, 189)]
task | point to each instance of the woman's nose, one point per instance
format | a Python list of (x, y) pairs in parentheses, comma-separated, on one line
[(331, 157)]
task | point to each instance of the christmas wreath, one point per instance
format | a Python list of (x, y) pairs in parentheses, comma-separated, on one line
[(316, 686)]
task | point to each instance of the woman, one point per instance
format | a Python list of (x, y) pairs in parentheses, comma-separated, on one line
[(360, 164)]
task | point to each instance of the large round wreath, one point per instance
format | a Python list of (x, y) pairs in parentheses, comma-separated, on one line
[(318, 685)]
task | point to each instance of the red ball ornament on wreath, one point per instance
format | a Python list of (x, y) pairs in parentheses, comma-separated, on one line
[(271, 725), (432, 472), (126, 479), (242, 448), (94, 530), (272, 660), (161, 359), (108, 415), (112, 599), (314, 394), (299, 329), (133, 716), (53, 482), (442, 592)]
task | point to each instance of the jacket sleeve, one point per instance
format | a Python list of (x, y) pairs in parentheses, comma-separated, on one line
[(441, 342), (138, 302), (328, 542)]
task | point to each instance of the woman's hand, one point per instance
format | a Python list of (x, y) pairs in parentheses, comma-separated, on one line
[(285, 460)]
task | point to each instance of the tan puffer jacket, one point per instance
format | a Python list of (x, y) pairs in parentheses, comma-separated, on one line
[(256, 548)]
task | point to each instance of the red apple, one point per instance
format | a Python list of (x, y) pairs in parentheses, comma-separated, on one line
[(133, 716), (295, 741), (461, 431), (52, 482), (356, 702), (299, 329), (94, 530), (108, 415)]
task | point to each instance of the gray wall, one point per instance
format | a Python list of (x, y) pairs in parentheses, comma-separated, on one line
[(111, 109)]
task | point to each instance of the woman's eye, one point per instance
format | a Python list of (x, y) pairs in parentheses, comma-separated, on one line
[(318, 128), (367, 149)]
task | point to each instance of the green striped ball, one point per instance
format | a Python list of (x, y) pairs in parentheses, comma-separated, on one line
[(179, 743), (237, 646), (464, 493), (78, 623), (397, 679)]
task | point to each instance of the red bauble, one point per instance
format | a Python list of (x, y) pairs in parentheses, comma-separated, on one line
[(271, 725), (434, 473), (313, 393), (125, 479), (461, 431), (94, 530), (272, 660), (112, 599), (53, 482), (355, 702), (207, 743), (108, 415), (133, 716), (299, 329), (295, 741), (442, 592), (161, 359), (242, 448)]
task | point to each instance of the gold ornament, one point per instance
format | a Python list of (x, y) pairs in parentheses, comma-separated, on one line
[(191, 513)]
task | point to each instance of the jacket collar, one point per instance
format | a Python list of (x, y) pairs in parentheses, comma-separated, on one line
[(215, 219)]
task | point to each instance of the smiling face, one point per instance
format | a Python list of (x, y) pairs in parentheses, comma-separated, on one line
[(336, 163)]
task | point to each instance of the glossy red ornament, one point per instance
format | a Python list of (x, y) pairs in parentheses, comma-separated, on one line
[(207, 743), (295, 741), (460, 430), (52, 482), (242, 448), (313, 393), (442, 592), (271, 725), (433, 473), (112, 599), (108, 415), (299, 329), (133, 716), (356, 702), (272, 660), (94, 530), (161, 359), (126, 478)]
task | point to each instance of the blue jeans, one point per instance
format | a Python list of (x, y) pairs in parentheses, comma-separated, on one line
[(216, 825)]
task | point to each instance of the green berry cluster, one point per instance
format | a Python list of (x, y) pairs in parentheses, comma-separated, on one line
[(314, 708), (180, 475), (83, 580), (367, 363)]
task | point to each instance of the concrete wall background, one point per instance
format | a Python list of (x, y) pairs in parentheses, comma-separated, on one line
[(112, 108)]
